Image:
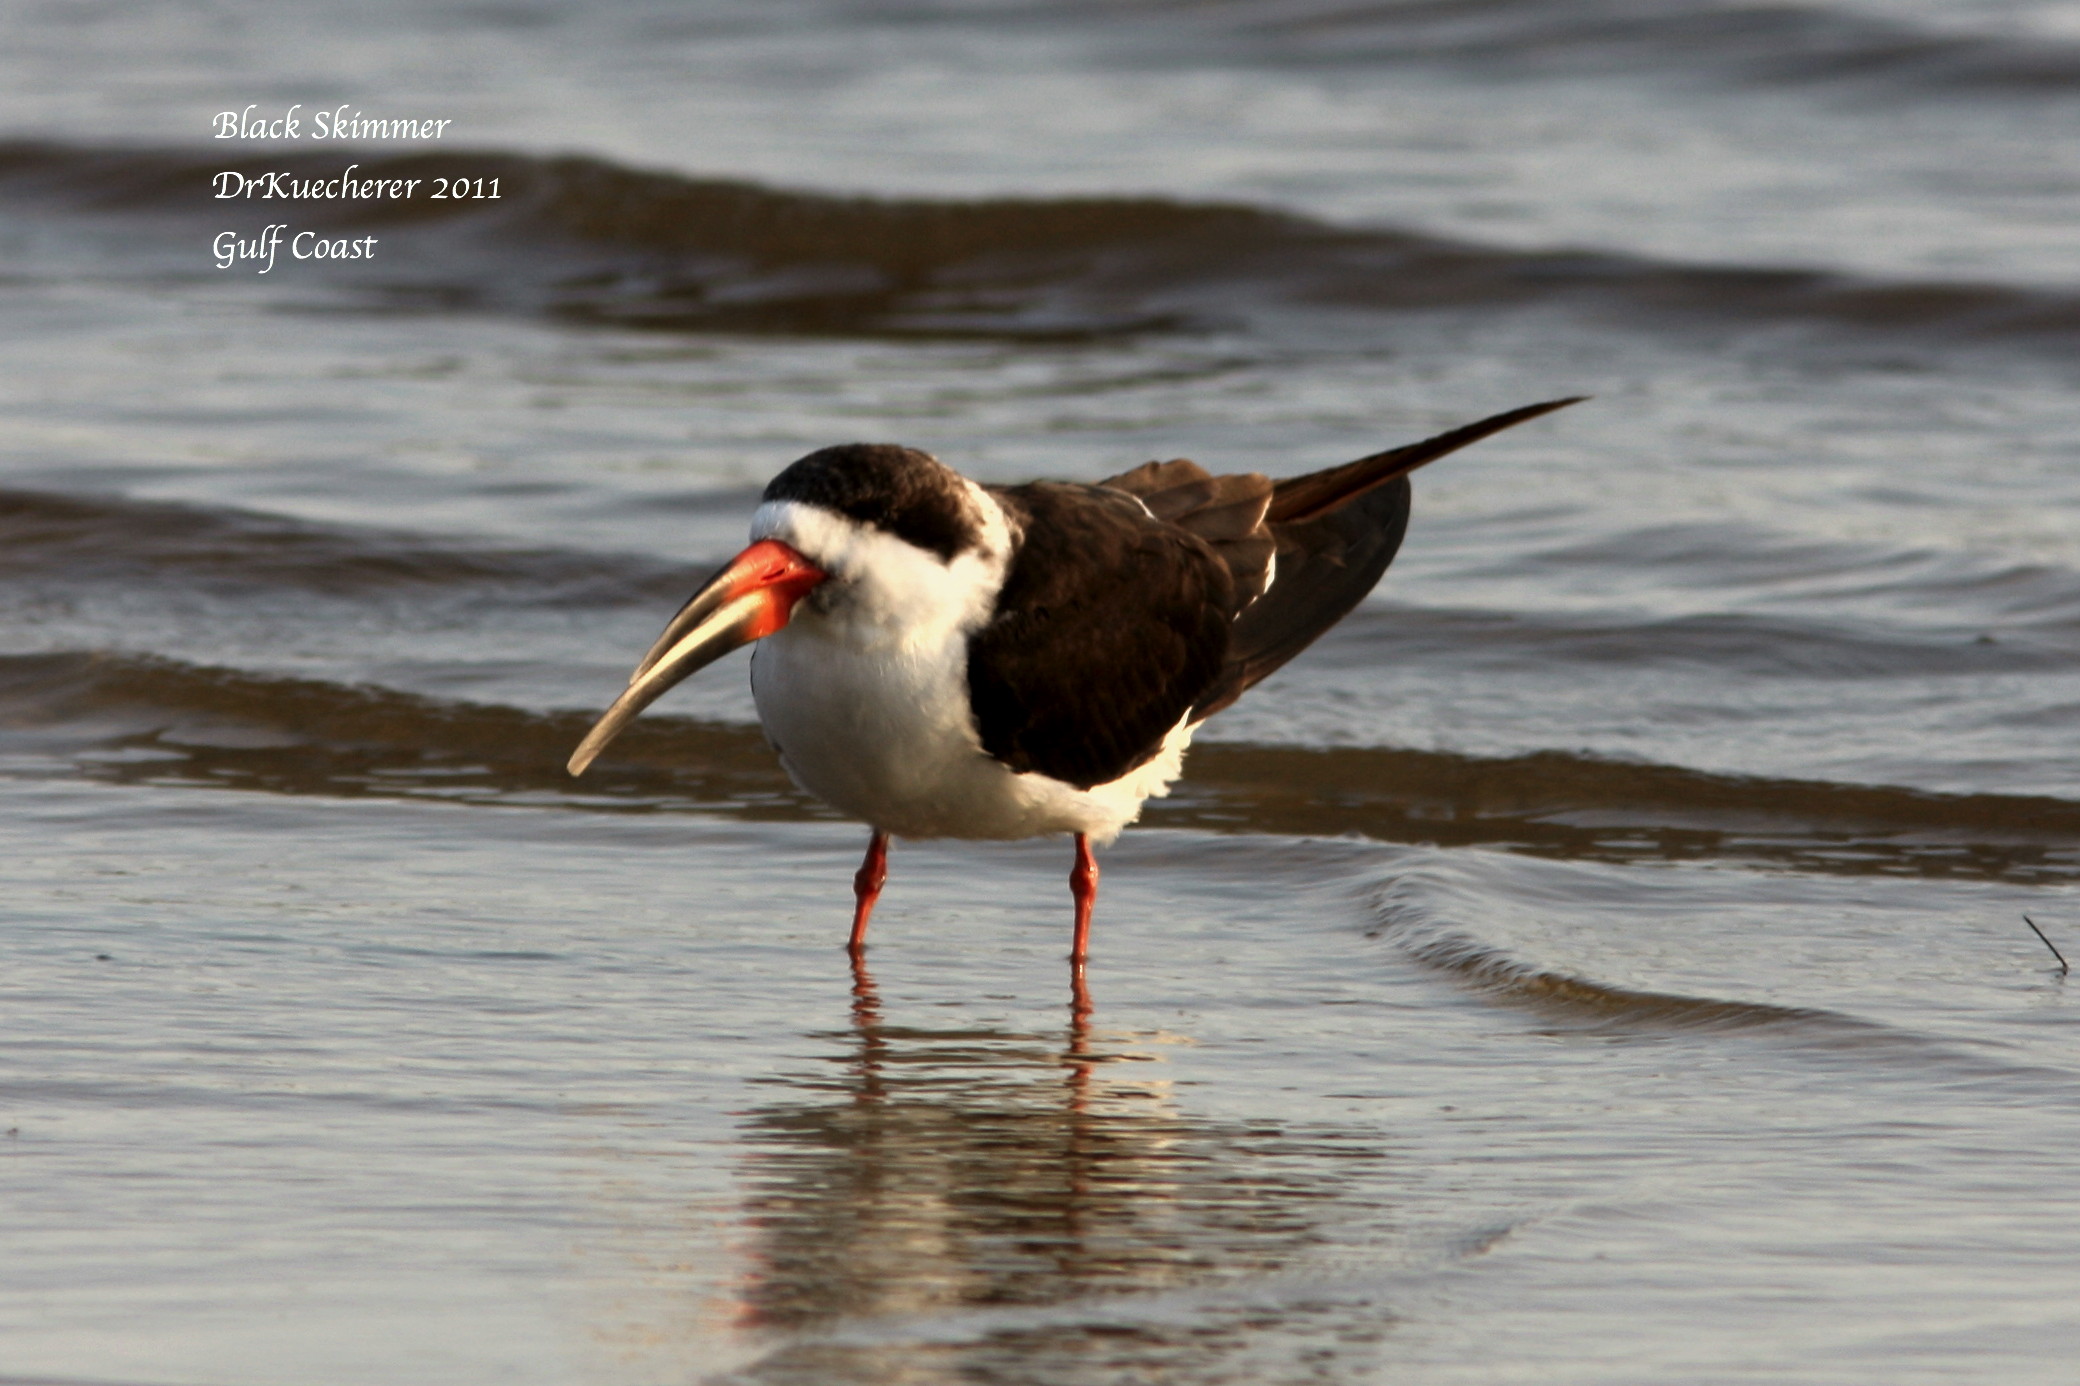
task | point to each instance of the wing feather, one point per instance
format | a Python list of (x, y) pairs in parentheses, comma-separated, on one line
[(1226, 511), (1336, 532), (1151, 595), (1111, 625)]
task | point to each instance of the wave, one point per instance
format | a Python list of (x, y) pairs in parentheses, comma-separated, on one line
[(142, 719), (586, 240), (1494, 973), (1583, 1005), (149, 720), (48, 538), (1723, 644), (1560, 804), (1738, 560), (52, 540), (1756, 43)]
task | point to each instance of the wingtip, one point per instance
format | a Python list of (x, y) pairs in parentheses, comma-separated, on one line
[(1528, 412), (1301, 498)]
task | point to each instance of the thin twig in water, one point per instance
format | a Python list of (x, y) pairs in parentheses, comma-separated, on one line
[(2064, 967)]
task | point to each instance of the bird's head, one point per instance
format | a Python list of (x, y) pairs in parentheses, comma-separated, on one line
[(884, 542)]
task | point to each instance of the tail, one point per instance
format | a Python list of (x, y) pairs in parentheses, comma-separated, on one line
[(1336, 531)]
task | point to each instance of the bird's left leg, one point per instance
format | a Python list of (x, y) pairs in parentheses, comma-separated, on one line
[(1083, 885), (866, 889)]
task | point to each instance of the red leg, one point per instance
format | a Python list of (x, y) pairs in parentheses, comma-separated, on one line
[(1083, 885), (866, 889)]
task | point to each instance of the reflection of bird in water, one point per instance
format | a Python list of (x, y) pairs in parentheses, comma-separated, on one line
[(943, 659), (933, 1174), (1077, 1059)]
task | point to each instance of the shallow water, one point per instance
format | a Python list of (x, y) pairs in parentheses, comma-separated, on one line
[(1601, 959)]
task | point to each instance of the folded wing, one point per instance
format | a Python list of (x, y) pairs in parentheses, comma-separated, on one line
[(1109, 627), (1162, 594), (1323, 540)]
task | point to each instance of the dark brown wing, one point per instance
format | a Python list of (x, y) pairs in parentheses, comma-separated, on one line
[(1336, 532), (1226, 511), (1110, 627)]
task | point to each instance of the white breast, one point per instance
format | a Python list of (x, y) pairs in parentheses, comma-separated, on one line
[(864, 693)]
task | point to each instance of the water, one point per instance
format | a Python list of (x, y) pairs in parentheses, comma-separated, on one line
[(1601, 959)]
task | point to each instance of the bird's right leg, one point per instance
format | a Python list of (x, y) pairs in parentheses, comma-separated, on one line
[(866, 889), (1083, 888)]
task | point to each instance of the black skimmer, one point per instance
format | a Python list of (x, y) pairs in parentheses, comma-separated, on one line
[(943, 659)]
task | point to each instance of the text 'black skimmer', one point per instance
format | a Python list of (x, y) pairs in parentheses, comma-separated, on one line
[(943, 659)]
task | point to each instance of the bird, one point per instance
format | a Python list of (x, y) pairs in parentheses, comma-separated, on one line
[(944, 659)]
